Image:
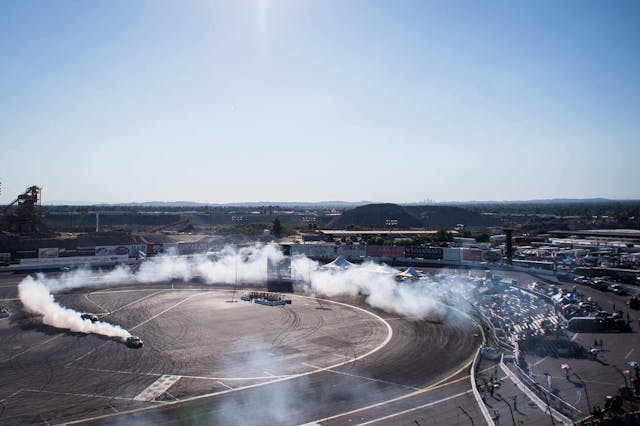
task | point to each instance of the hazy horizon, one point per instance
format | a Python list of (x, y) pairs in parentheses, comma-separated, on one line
[(329, 202), (223, 101)]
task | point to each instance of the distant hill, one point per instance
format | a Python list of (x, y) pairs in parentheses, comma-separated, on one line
[(170, 204), (432, 217), (539, 201), (375, 216), (437, 217), (338, 204)]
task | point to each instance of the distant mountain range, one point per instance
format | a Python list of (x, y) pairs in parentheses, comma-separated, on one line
[(318, 204), (333, 204)]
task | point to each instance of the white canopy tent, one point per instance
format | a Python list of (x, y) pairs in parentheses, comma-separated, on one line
[(338, 263), (410, 274)]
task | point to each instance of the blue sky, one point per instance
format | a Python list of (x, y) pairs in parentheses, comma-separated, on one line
[(398, 101)]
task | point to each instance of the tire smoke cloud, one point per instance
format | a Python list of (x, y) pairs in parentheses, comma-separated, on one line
[(37, 298), (375, 282)]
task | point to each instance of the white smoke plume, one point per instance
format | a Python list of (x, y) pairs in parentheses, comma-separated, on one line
[(374, 281), (248, 264), (245, 265), (36, 298)]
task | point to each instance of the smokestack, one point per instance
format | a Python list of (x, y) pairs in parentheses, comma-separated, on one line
[(509, 233)]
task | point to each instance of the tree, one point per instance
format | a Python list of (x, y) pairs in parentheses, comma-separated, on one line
[(443, 235), (482, 238), (277, 228)]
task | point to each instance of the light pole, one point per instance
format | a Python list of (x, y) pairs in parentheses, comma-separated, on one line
[(513, 420), (585, 392)]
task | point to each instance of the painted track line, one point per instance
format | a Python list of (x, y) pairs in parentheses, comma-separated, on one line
[(439, 384), (186, 376), (430, 404), (84, 395), (32, 347), (252, 386), (136, 326), (166, 310), (10, 396), (223, 384), (371, 379), (157, 388)]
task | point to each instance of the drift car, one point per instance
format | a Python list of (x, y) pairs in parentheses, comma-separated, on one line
[(134, 342), (90, 317)]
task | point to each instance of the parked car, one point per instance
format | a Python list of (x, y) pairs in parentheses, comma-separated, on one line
[(600, 285), (618, 289)]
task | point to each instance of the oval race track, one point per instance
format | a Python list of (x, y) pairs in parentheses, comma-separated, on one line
[(209, 361)]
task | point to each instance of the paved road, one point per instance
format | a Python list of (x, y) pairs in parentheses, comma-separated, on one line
[(208, 361)]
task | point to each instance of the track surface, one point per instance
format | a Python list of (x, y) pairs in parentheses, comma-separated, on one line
[(207, 361)]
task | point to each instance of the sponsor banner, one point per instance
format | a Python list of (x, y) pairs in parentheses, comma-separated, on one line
[(322, 251), (82, 260), (451, 254), (112, 250), (45, 253), (492, 256), (191, 248), (169, 248), (352, 251), (385, 251), (153, 249), (423, 252), (135, 248), (471, 255)]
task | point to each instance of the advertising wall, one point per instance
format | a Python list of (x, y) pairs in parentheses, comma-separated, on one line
[(45, 253), (471, 255), (192, 248), (384, 251), (423, 252), (352, 251), (321, 251), (135, 248), (492, 256), (78, 260), (112, 250), (451, 254), (170, 248)]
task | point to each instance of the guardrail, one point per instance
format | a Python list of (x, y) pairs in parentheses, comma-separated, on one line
[(560, 409), (476, 359)]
